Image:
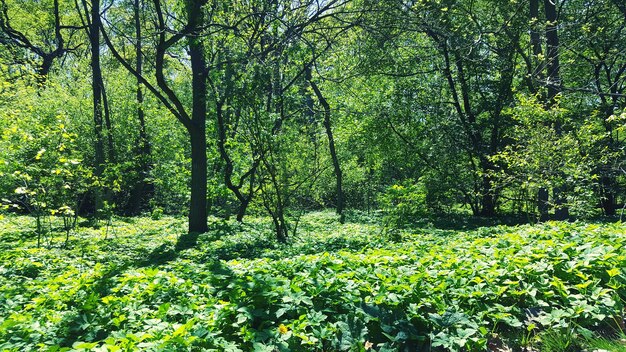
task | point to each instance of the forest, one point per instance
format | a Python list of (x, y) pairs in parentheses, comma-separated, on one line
[(312, 175)]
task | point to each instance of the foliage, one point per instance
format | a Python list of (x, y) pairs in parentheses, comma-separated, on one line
[(334, 288), (463, 96), (404, 204), (542, 157), (43, 163)]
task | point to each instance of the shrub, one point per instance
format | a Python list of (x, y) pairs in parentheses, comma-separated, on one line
[(404, 204)]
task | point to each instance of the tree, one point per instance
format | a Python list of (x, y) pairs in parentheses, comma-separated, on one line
[(92, 26), (597, 72), (193, 118), (331, 145), (468, 56), (143, 189), (52, 47)]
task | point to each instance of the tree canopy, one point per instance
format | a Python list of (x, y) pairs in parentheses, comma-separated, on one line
[(230, 108)]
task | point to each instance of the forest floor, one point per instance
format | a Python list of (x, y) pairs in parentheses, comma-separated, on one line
[(122, 286)]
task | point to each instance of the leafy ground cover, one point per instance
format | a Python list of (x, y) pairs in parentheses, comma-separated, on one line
[(353, 287)]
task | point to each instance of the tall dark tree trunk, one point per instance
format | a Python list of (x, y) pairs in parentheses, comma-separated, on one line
[(273, 198), (331, 147), (198, 211), (537, 80), (142, 190), (543, 203), (194, 123), (607, 193), (143, 134), (554, 85), (274, 203), (96, 85), (197, 129), (278, 214), (44, 69), (467, 117), (488, 197), (241, 210), (553, 76)]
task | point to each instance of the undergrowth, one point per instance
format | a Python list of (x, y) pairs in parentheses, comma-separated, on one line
[(550, 287)]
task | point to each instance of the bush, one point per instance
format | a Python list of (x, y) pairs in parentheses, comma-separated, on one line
[(404, 204)]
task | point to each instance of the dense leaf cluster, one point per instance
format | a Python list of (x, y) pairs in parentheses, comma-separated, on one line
[(418, 107), (339, 288)]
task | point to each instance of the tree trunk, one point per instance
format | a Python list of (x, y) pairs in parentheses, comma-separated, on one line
[(487, 201), (194, 123), (331, 147), (553, 77), (99, 154), (537, 80), (143, 189), (278, 210), (275, 203), (243, 198), (280, 225), (198, 211), (488, 197), (543, 203), (607, 184), (44, 69), (197, 129), (241, 210), (553, 83)]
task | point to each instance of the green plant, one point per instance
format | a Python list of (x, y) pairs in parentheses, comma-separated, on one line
[(335, 287), (54, 179), (404, 204), (562, 340), (156, 214)]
